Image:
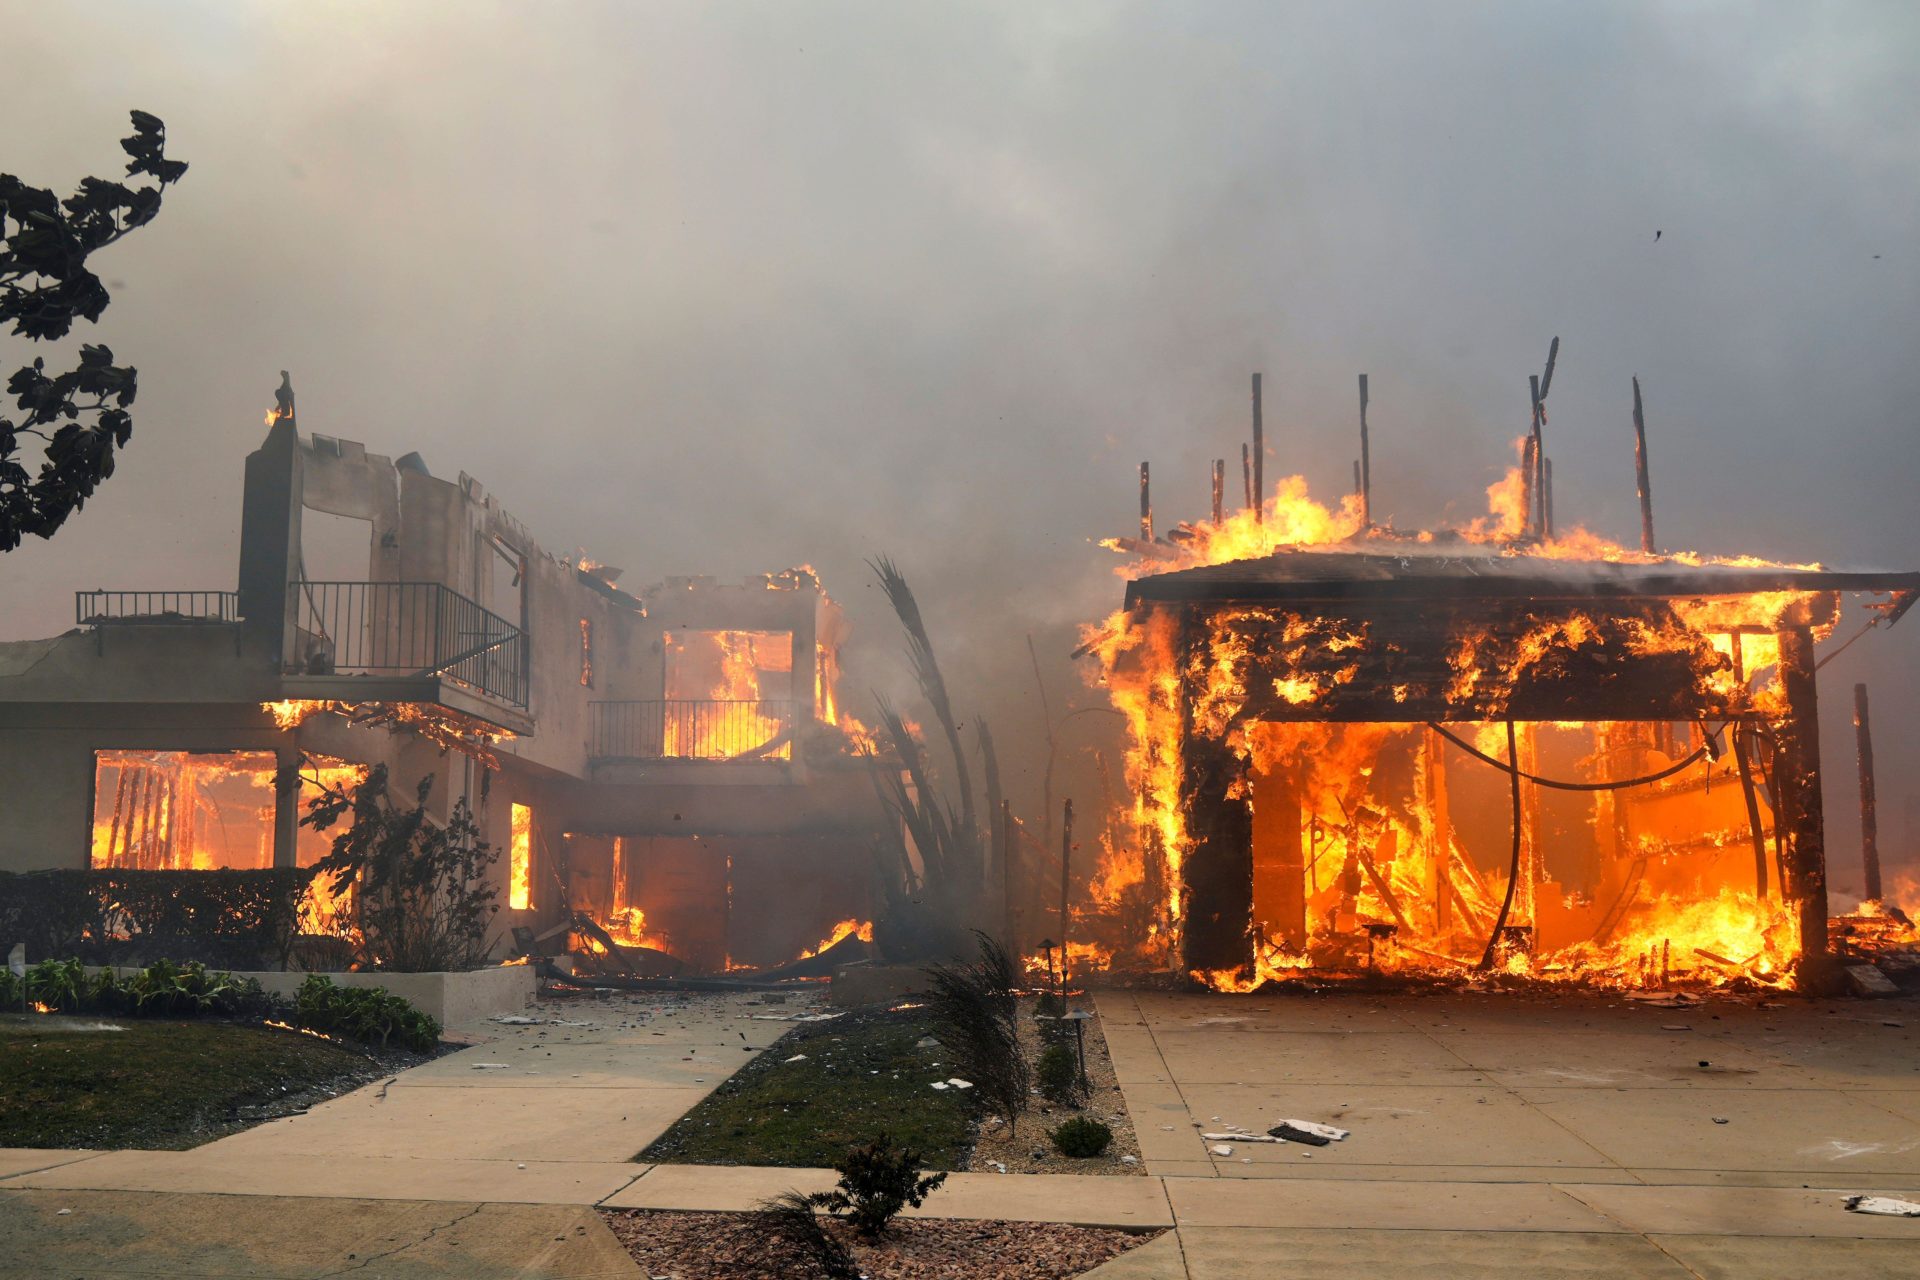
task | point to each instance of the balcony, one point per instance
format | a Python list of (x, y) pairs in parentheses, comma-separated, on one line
[(410, 630), (154, 608), (690, 729)]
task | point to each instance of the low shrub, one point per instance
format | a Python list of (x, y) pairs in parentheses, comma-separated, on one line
[(877, 1181), (237, 919), (1049, 1005), (163, 989), (1082, 1138), (368, 1014), (1059, 1073), (789, 1218)]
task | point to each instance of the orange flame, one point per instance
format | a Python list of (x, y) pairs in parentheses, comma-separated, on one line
[(1626, 888)]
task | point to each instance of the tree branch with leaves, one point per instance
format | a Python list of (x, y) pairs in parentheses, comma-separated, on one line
[(73, 420)]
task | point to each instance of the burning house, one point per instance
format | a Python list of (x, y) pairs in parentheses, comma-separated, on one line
[(670, 765), (1490, 749)]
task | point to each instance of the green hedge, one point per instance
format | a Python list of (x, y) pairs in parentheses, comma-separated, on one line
[(233, 919), (371, 1015)]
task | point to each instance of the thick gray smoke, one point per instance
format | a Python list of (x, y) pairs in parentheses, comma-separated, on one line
[(725, 288)]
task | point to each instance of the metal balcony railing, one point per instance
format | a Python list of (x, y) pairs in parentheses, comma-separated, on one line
[(411, 628), (125, 608), (690, 729)]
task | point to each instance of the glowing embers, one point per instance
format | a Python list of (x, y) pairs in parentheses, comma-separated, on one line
[(183, 810), (520, 859), (729, 695)]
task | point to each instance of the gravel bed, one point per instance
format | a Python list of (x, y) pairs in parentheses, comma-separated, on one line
[(1028, 1149), (732, 1246)]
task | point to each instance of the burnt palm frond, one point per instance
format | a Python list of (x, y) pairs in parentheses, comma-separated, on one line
[(926, 670), (990, 764)]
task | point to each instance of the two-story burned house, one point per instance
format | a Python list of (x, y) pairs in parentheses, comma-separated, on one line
[(670, 763)]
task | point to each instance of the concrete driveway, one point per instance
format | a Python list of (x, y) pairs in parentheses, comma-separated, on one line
[(1496, 1135)]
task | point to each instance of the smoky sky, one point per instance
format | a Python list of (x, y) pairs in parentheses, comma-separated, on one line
[(720, 289)]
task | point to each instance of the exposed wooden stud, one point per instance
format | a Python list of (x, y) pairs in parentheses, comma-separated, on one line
[(119, 805), (1259, 454), (1366, 462), (1219, 490), (1440, 847), (1796, 773), (1146, 506), (1743, 761), (1246, 472), (1640, 473), (1869, 808)]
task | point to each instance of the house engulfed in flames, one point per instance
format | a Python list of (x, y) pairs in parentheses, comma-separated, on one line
[(1355, 749), (670, 765)]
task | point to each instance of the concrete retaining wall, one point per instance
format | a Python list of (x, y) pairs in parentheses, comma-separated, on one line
[(449, 998)]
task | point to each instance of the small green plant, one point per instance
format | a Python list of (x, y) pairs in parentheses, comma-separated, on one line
[(1049, 1005), (63, 986), (789, 1218), (1082, 1138), (1059, 1073), (164, 989), (367, 1014), (877, 1180)]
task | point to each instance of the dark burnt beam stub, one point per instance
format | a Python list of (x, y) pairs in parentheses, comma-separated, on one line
[(1802, 816), (1216, 796)]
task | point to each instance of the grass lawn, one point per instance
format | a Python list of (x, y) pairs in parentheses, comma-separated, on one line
[(863, 1073), (158, 1084)]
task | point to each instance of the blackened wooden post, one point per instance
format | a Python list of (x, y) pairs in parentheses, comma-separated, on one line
[(1527, 456), (1356, 478), (1246, 472), (1546, 501), (1366, 462), (1640, 473), (1259, 455), (1802, 816), (1146, 507), (1216, 873), (1066, 860), (1869, 812), (1219, 490), (1535, 482)]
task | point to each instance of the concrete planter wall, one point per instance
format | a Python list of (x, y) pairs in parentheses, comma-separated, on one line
[(449, 998)]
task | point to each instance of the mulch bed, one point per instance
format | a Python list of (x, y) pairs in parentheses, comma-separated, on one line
[(732, 1246)]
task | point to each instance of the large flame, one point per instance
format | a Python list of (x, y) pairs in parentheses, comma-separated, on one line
[(1638, 887)]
